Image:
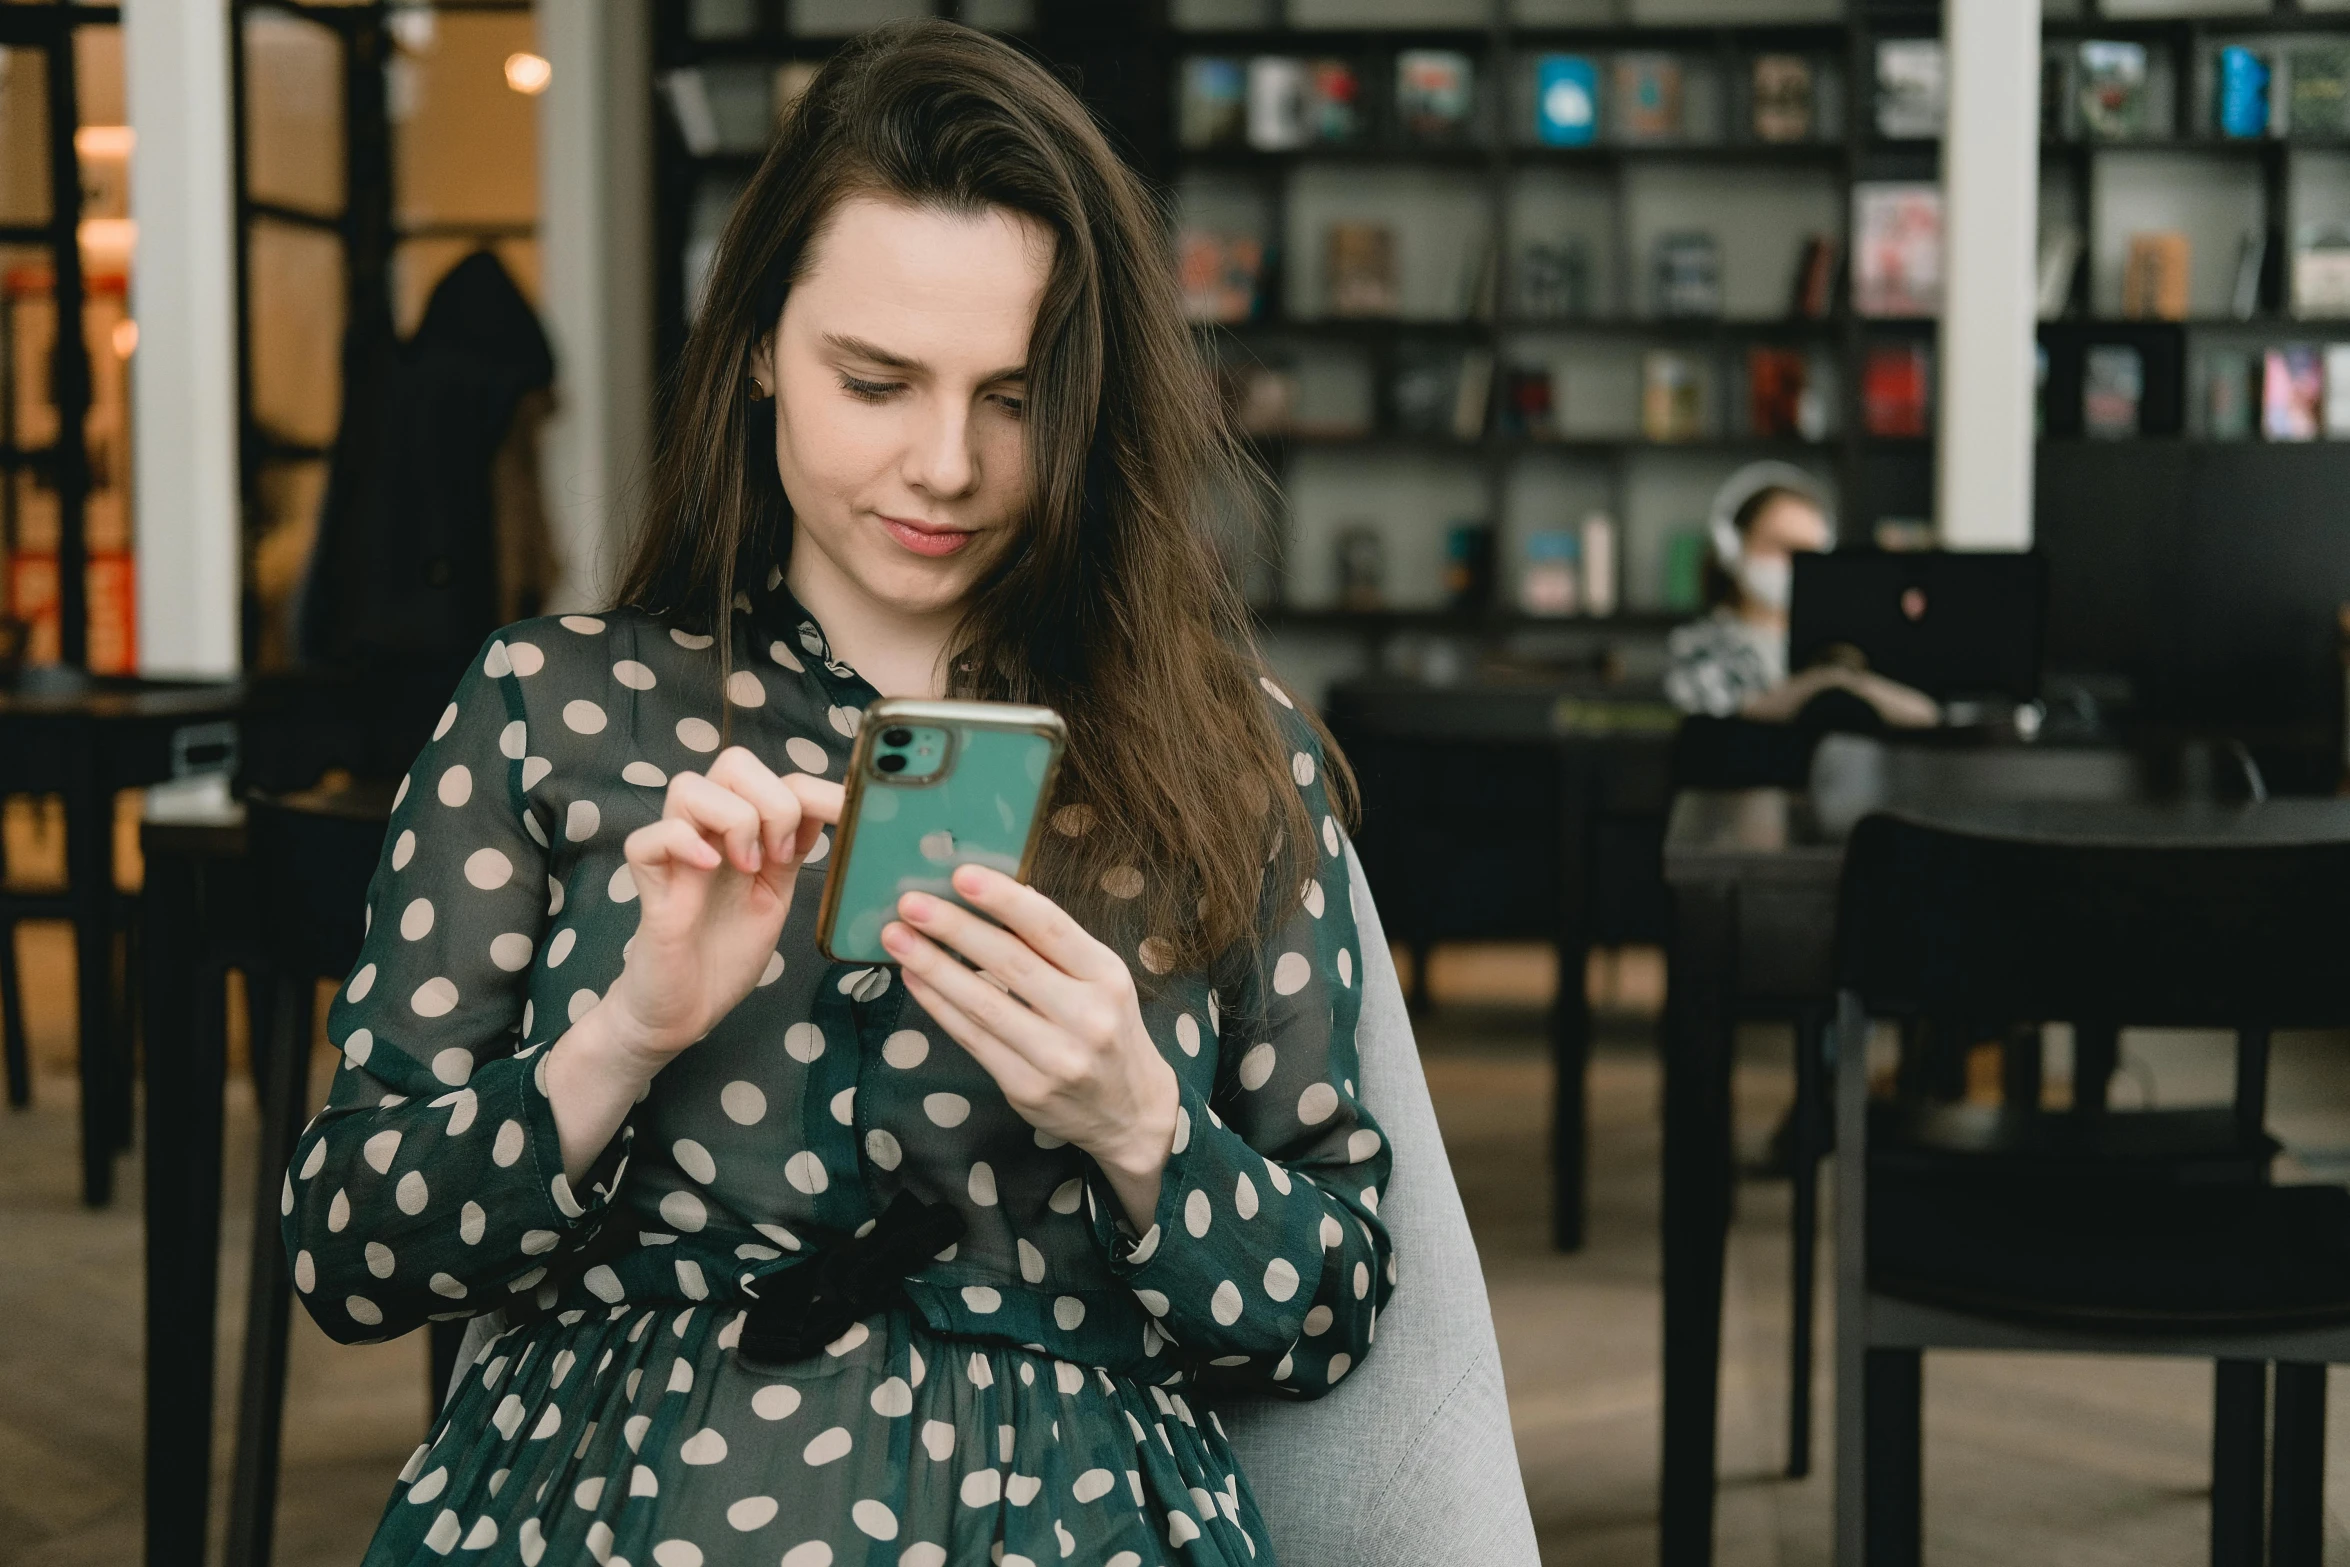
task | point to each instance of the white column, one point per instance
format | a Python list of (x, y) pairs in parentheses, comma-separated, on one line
[(184, 374), (595, 230), (1990, 210)]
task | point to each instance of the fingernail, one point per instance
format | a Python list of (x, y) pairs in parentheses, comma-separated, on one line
[(896, 937), (916, 905)]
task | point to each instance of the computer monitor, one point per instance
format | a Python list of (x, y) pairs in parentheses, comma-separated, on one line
[(1954, 624)]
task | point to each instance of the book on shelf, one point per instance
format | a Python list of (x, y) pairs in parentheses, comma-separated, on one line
[(1682, 588), (1334, 102), (1441, 391), (1672, 396), (2059, 262), (2228, 398), (1599, 563), (1896, 382), (1472, 394), (1529, 409), (1909, 88), (1435, 92), (2317, 90), (2292, 393), (1262, 396), (1896, 248), (2154, 276), (1687, 275), (1784, 98), (2113, 90), (2251, 262), (2321, 270), (1276, 103), (1360, 554), (1359, 270), (1554, 279), (2337, 392), (2239, 100), (1566, 100), (1814, 295), (1777, 380), (1468, 566), (1222, 274), (1212, 103), (2113, 387), (1645, 97), (1475, 289), (1550, 582)]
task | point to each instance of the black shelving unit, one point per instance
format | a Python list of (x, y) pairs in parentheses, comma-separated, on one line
[(64, 463)]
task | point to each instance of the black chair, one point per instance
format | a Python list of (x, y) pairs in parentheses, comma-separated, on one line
[(2086, 1229), (310, 856)]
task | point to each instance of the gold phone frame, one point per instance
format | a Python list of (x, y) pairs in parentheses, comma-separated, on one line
[(945, 713)]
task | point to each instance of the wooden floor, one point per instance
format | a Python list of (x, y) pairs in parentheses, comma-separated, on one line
[(2030, 1459)]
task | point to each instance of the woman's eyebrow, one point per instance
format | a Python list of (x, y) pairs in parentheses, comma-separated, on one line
[(874, 353)]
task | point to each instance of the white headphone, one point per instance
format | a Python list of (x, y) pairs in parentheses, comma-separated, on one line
[(1745, 485)]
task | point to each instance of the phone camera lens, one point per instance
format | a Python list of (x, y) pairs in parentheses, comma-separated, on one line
[(891, 764), (897, 736)]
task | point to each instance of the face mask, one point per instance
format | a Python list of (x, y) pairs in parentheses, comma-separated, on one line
[(1769, 580)]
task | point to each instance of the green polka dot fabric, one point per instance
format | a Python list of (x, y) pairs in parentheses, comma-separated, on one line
[(1041, 1395)]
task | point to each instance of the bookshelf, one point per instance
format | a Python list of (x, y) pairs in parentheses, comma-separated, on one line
[(1462, 210)]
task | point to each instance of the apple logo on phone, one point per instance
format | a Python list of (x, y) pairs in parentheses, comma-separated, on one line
[(938, 846)]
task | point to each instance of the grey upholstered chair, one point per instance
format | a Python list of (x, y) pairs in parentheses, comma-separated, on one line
[(1409, 1462)]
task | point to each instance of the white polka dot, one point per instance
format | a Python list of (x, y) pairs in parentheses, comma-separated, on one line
[(1122, 881), (684, 1211), (883, 1149), (1197, 1213), (441, 1538), (581, 716), (1020, 1490), (622, 886), (1244, 1196), (436, 997), (644, 775), (806, 754), (752, 1512), (845, 719), (507, 1147), (946, 1109), (677, 1553), (488, 869), (694, 1160), (403, 850), (981, 1299), (535, 768), (1339, 1365), (380, 1261), (510, 951), (1156, 955), (1181, 1530), (581, 820), (743, 1103), (873, 1518), (416, 920), (1291, 973), (743, 689), (806, 1173), (893, 1397), (1346, 968), (363, 1311), (1332, 1235), (453, 1065), (982, 1488), (456, 785), (448, 717), (697, 734), (1362, 1281), (1312, 898), (803, 1042), (773, 971), (938, 1440), (775, 1401), (981, 1186), (1256, 1068), (1275, 692), (361, 983), (1068, 1312), (815, 1553), (783, 655), (831, 1443), (305, 1273), (1301, 768), (581, 1002), (905, 1049), (1330, 840), (692, 641), (1317, 1104), (1361, 1145), (634, 675), (704, 1447), (585, 625)]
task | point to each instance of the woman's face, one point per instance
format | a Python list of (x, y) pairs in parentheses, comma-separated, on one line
[(900, 367), (1787, 525)]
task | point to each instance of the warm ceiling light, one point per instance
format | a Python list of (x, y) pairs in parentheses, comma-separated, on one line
[(104, 141), (528, 73), (126, 338)]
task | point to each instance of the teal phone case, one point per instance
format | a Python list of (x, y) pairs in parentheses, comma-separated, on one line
[(982, 807)]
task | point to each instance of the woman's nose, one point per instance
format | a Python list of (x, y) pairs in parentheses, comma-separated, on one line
[(941, 460)]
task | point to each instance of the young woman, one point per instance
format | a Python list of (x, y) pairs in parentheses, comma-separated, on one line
[(915, 1264), (1733, 663)]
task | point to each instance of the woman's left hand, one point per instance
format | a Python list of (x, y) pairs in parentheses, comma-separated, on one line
[(1051, 1014)]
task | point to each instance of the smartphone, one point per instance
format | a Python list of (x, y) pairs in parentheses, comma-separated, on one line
[(933, 785)]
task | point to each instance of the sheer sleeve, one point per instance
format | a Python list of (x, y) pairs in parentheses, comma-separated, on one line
[(1266, 1256), (432, 1183)]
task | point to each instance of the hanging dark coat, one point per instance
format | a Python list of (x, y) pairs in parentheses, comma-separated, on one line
[(406, 565)]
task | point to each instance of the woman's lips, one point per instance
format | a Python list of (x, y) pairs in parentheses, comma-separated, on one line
[(933, 542)]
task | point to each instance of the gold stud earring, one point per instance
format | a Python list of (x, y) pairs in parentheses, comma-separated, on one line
[(760, 391)]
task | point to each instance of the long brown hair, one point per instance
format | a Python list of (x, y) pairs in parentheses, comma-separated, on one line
[(1111, 606)]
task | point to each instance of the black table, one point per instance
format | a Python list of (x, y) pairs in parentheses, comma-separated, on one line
[(1516, 811), (1754, 876), (84, 743)]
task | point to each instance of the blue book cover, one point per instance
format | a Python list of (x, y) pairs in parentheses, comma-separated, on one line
[(1566, 100), (2243, 93)]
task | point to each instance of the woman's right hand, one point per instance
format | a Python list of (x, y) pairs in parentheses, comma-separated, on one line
[(714, 879)]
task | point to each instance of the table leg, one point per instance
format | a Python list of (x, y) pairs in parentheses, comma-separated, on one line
[(1697, 1046), (186, 1066), (1570, 1012), (89, 872)]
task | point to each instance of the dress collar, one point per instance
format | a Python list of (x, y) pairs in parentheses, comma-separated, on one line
[(784, 619)]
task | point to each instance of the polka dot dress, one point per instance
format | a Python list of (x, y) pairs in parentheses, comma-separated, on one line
[(1042, 1394)]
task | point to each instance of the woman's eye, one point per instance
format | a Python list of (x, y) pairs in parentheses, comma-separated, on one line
[(1015, 406), (867, 391)]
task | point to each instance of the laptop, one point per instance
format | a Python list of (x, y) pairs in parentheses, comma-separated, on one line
[(1956, 624)]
